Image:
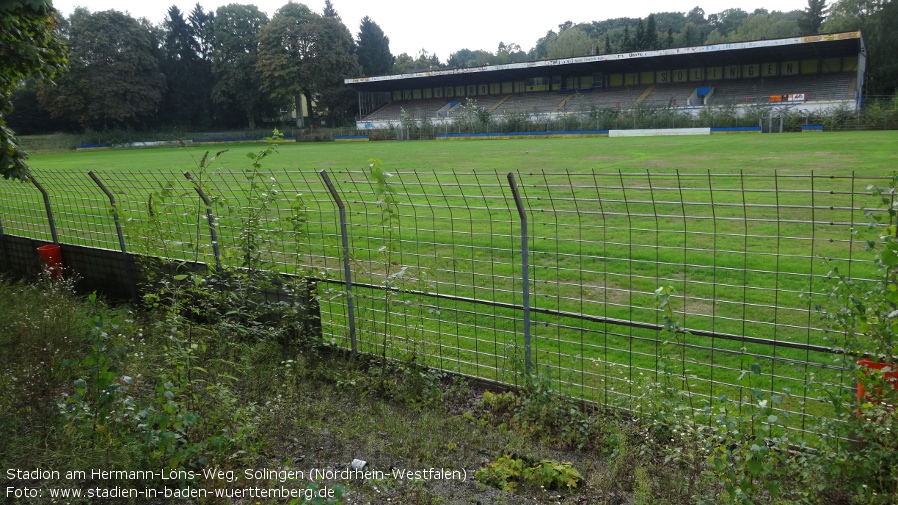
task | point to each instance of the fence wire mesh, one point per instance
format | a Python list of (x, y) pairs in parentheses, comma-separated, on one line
[(436, 265)]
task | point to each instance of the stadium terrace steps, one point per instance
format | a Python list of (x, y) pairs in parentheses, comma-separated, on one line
[(377, 110), (670, 95), (488, 102), (499, 103), (823, 87), (609, 98), (446, 110), (431, 107), (531, 103), (415, 108), (562, 106), (645, 94)]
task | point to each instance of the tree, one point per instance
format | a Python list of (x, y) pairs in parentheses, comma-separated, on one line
[(774, 25), (202, 30), (330, 12), (651, 33), (187, 87), (331, 60), (541, 49), (424, 61), (341, 103), (689, 36), (510, 53), (847, 15), (114, 77), (882, 78), (465, 58), (234, 58), (672, 20), (715, 37), (812, 17), (570, 43), (30, 46), (282, 46), (302, 54), (639, 42), (28, 117), (178, 43), (877, 21), (432, 59), (402, 63), (693, 32), (373, 50), (727, 20), (696, 16), (201, 25)]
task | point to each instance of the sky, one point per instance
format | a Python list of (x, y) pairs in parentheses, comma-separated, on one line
[(444, 27)]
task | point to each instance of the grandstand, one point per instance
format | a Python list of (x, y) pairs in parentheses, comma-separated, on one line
[(815, 88), (807, 72)]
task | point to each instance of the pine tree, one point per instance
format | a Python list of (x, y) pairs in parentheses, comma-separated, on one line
[(812, 17), (639, 43), (651, 33), (373, 49), (329, 11)]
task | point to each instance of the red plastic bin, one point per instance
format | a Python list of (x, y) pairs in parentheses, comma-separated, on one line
[(891, 377), (51, 260)]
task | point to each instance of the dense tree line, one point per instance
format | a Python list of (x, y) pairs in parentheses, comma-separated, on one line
[(662, 30), (877, 20), (235, 67), (230, 68)]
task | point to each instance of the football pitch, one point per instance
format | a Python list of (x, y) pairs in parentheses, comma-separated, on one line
[(836, 153), (741, 226)]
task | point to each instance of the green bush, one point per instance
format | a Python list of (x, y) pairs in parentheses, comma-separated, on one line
[(506, 472)]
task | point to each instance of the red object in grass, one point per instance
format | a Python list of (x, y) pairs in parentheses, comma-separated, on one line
[(891, 377), (51, 259)]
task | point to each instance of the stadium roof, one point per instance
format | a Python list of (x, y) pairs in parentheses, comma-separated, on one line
[(760, 51)]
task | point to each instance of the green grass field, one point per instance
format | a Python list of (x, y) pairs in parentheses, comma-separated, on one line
[(610, 221), (830, 153)]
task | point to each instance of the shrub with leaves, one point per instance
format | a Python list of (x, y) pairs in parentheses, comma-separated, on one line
[(861, 451), (506, 472)]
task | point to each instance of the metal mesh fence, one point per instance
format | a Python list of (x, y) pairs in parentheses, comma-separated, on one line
[(437, 265)]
